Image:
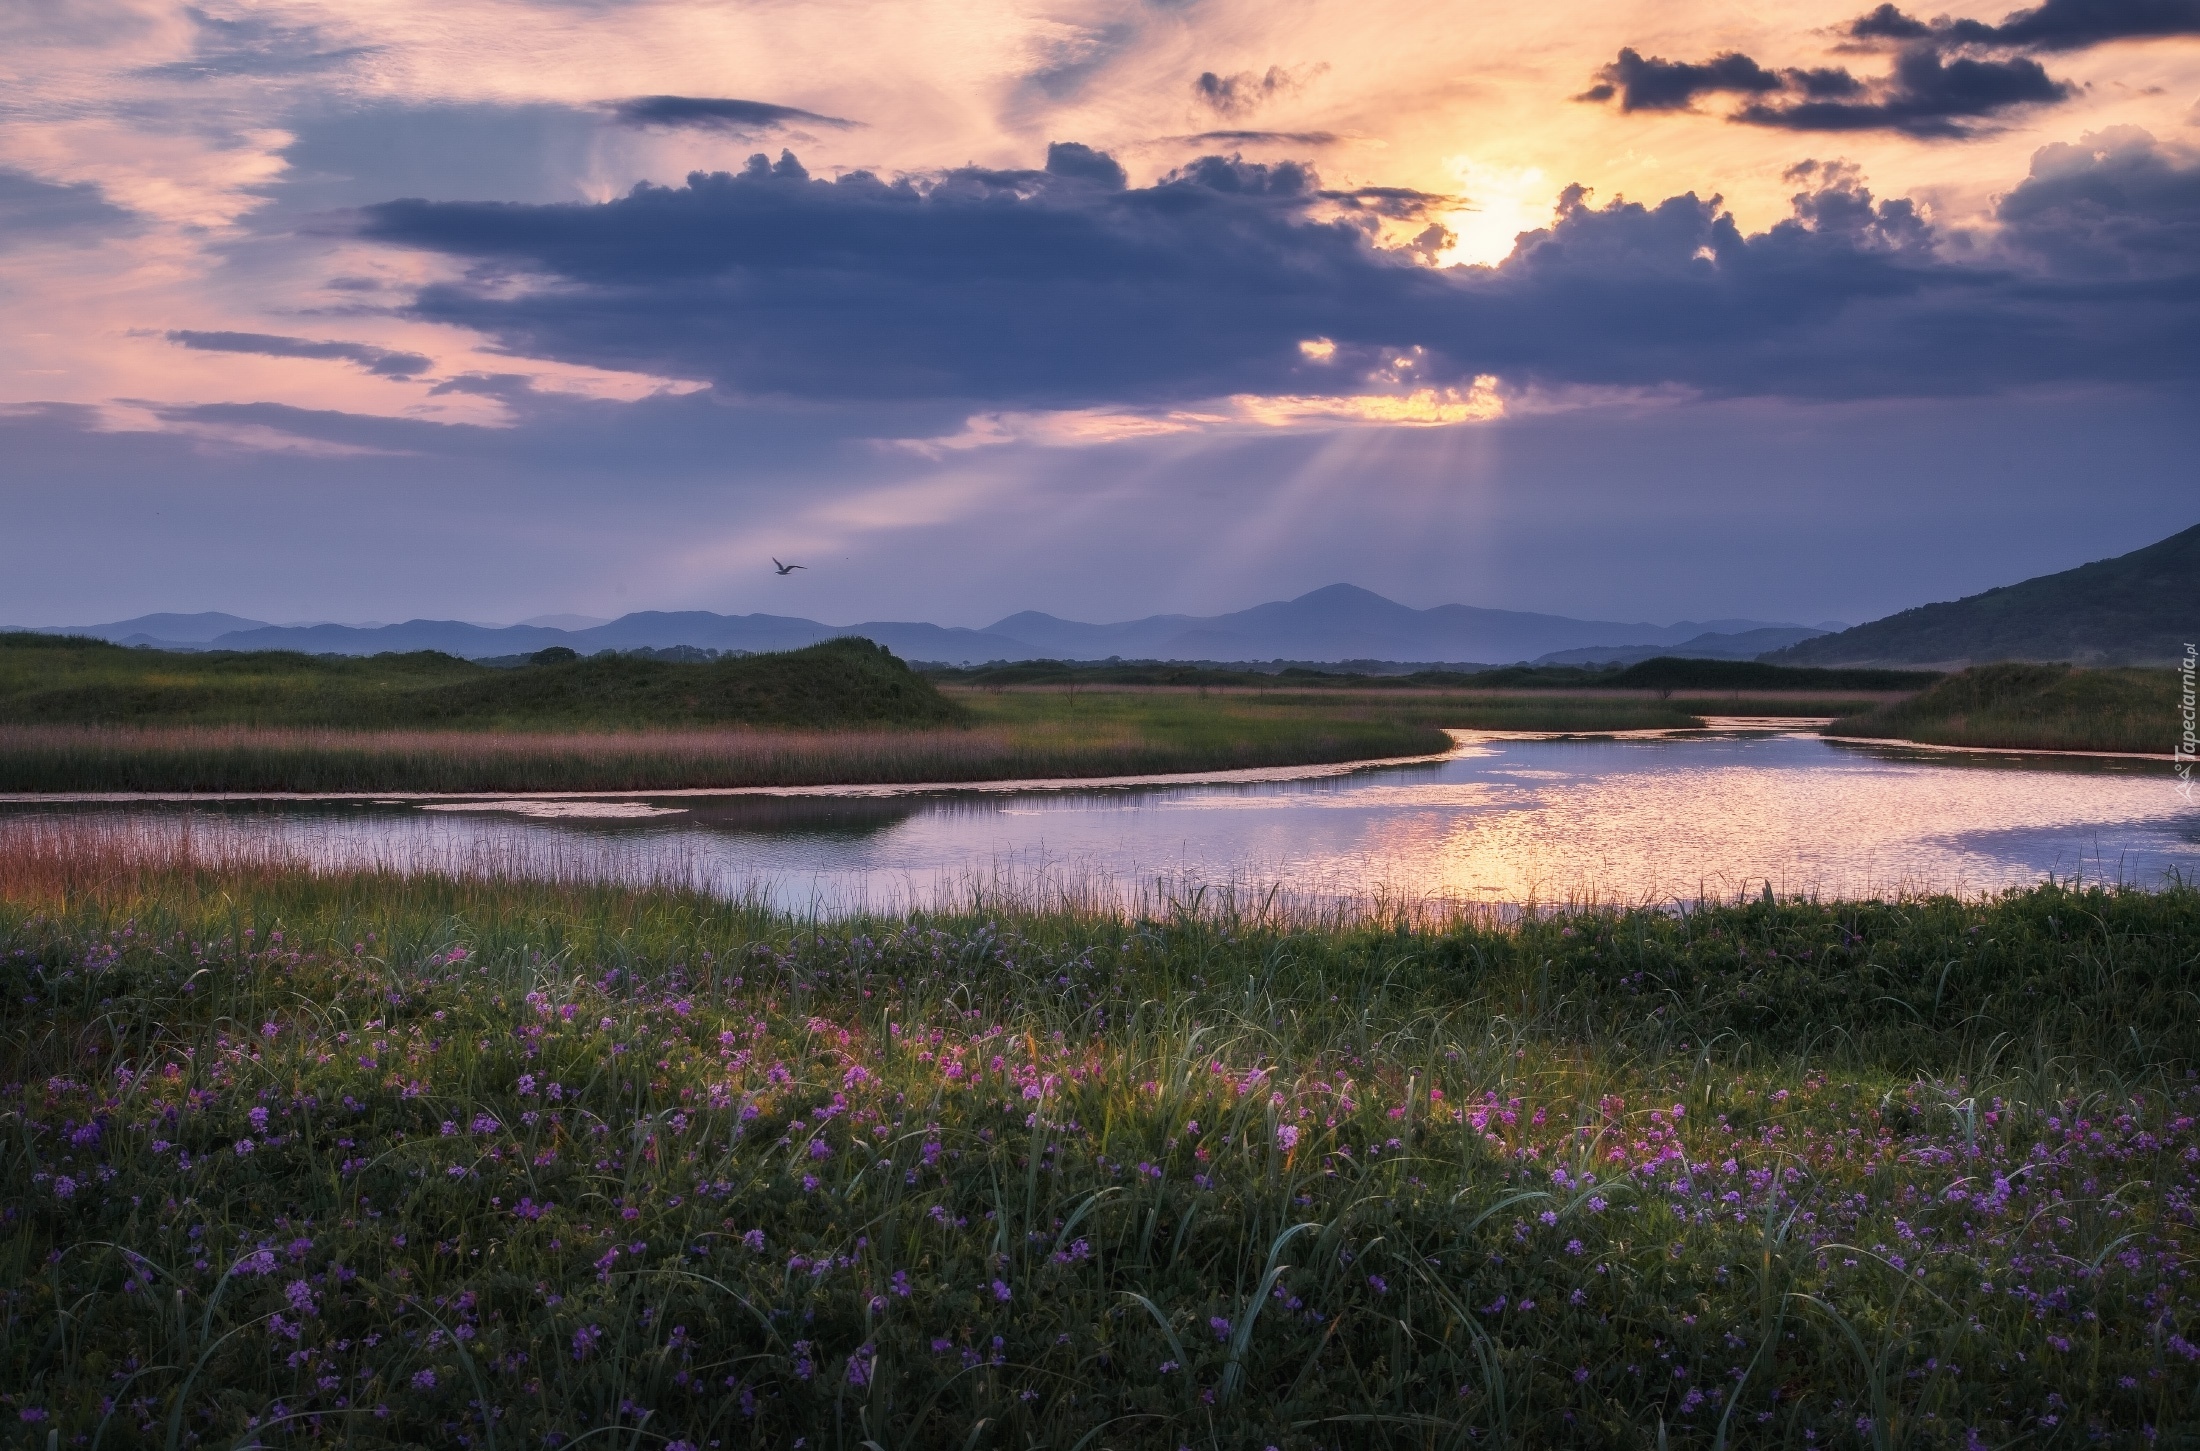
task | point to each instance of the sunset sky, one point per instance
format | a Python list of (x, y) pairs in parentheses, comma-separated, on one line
[(483, 309)]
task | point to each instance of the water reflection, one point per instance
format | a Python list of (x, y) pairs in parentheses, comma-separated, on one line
[(1505, 820)]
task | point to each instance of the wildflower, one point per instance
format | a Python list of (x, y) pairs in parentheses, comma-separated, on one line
[(819, 1149), (63, 1186), (1378, 1284), (244, 1147), (1287, 1137), (1001, 1291), (754, 1241), (423, 1380), (300, 1295), (259, 1120), (584, 1340), (1220, 1326)]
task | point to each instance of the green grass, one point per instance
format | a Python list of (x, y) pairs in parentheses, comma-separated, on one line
[(298, 1160), (60, 680), (1665, 673), (2044, 707), (1009, 738)]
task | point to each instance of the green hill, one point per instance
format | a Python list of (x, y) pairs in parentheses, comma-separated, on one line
[(2040, 707), (65, 680), (2136, 609)]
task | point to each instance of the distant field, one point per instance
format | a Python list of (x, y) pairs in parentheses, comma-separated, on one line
[(62, 680), (84, 716), (2040, 707)]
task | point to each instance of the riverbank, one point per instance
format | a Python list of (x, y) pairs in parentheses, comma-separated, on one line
[(406, 1160), (1011, 734)]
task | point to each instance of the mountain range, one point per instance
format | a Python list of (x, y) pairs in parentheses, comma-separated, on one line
[(2136, 609), (1340, 622)]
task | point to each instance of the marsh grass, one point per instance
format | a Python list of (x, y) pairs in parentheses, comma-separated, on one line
[(2041, 707), (1014, 738), (838, 683), (381, 1159)]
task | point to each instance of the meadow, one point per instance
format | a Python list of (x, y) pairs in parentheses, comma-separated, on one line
[(369, 1159), (2041, 707), (838, 684)]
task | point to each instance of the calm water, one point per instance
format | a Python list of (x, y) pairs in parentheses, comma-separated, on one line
[(1502, 820)]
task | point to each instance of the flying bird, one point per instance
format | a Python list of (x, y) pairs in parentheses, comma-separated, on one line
[(787, 568)]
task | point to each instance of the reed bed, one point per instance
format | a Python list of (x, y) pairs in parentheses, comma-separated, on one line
[(246, 759), (380, 1159)]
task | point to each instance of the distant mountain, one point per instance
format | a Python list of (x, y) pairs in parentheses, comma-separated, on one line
[(1341, 622), (2136, 609), (1745, 645), (647, 628), (161, 629)]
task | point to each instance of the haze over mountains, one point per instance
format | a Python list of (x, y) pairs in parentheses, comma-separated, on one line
[(1340, 622), (2136, 609)]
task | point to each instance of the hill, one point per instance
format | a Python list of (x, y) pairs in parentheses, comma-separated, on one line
[(2136, 609), (2037, 707), (55, 680)]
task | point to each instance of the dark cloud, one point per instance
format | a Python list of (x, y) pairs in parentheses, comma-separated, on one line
[(31, 210), (1245, 92), (1041, 288), (1258, 138), (2057, 25), (255, 47), (1656, 84), (383, 362), (1928, 96), (1949, 75), (1888, 23), (714, 113), (2113, 205), (1071, 158)]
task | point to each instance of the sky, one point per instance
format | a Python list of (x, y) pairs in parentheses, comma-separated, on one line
[(485, 309)]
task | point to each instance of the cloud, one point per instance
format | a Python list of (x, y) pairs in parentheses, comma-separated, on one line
[(1656, 84), (34, 210), (2113, 205), (1258, 138), (254, 46), (712, 113), (1246, 92), (1928, 96), (1071, 158), (383, 362), (2057, 25), (1949, 75), (1022, 290)]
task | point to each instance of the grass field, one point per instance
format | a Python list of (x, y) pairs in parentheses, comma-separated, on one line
[(845, 683), (298, 1160), (84, 716), (2044, 707)]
